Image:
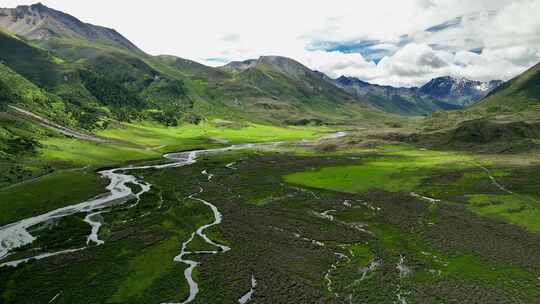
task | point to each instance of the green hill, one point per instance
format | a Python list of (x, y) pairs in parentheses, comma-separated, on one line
[(516, 100), (507, 120), (93, 80), (519, 95)]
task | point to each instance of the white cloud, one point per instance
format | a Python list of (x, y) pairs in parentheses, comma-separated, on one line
[(336, 64), (426, 3), (243, 29), (416, 64), (507, 35)]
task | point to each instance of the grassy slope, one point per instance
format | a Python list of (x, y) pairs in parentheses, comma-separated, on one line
[(37, 65), (26, 93), (516, 100), (73, 152), (517, 95)]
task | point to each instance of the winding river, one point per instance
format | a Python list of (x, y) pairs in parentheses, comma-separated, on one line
[(17, 234)]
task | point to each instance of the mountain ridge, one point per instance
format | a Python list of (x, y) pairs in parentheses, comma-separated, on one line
[(457, 88), (442, 93), (39, 22)]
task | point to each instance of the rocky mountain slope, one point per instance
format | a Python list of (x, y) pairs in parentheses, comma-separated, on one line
[(38, 22), (521, 94), (460, 91), (444, 93), (505, 121)]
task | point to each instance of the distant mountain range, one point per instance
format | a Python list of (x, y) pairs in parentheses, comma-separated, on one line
[(517, 100), (518, 94), (97, 75), (460, 91), (91, 74), (443, 93), (505, 121)]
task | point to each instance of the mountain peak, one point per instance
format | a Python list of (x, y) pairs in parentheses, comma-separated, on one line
[(285, 65), (348, 81), (282, 64), (447, 92), (38, 5), (455, 88), (240, 66), (39, 22)]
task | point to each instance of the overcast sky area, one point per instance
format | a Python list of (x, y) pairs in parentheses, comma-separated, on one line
[(390, 42)]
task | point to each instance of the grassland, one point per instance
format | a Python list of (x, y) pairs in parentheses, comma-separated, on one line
[(80, 153), (519, 210), (47, 193), (450, 176), (450, 253), (204, 134), (145, 269), (461, 247), (52, 185), (399, 169)]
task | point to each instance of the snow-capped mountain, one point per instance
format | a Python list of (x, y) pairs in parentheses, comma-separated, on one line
[(458, 90), (443, 93)]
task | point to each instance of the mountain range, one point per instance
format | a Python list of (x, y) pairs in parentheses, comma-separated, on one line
[(443, 93), (103, 68)]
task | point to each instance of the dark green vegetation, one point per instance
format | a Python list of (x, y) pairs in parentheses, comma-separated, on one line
[(462, 249)]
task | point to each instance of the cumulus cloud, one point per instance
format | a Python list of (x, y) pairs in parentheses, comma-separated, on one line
[(383, 41), (426, 3), (335, 64), (415, 64), (498, 42)]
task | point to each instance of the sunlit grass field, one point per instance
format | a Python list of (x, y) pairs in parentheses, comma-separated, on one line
[(81, 153), (403, 169), (205, 133), (398, 169), (150, 141)]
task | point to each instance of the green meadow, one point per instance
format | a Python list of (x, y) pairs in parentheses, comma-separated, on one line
[(184, 136), (143, 141), (398, 169), (516, 209), (402, 169), (80, 153), (48, 193)]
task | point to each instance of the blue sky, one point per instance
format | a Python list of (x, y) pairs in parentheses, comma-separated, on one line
[(401, 43)]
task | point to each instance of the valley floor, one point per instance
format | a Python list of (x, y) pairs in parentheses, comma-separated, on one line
[(315, 222)]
